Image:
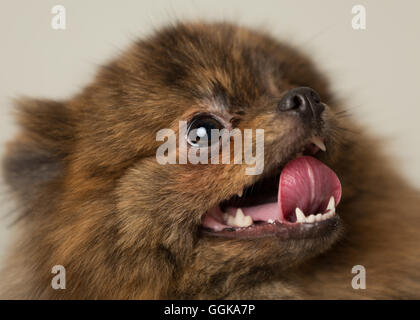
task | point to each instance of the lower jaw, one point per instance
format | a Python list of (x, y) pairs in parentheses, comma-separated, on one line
[(281, 231)]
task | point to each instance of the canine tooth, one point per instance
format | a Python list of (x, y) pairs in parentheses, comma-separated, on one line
[(270, 221), (231, 221), (246, 221), (331, 205), (310, 219), (236, 220), (318, 141), (239, 220), (300, 216), (240, 193), (239, 213)]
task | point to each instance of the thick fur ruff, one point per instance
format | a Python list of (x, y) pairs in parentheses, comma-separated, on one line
[(94, 199)]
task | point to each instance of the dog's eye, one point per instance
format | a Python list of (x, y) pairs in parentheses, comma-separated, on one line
[(200, 129)]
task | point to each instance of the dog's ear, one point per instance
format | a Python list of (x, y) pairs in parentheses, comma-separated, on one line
[(38, 153)]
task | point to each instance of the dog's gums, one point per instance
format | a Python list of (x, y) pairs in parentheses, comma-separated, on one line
[(95, 198)]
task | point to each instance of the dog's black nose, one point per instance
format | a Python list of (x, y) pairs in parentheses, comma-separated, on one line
[(304, 101)]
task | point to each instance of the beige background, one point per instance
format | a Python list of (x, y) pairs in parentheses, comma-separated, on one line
[(376, 70)]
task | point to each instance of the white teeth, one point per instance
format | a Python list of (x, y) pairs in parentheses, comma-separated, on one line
[(239, 220), (329, 214), (310, 219), (240, 193), (300, 216), (319, 142), (331, 204)]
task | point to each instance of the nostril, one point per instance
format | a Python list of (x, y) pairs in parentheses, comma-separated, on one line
[(303, 100), (297, 102), (291, 102)]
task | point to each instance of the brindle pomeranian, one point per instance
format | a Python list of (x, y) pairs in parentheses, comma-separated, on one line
[(95, 200)]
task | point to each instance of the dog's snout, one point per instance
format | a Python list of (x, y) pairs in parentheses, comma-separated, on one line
[(304, 101)]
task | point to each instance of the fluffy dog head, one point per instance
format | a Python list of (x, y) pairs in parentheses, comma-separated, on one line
[(97, 201)]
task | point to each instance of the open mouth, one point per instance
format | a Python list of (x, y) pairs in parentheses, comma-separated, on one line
[(303, 196)]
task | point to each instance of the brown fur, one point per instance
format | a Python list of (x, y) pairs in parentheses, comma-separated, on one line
[(95, 200)]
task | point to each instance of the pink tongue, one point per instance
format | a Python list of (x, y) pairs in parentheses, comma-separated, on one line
[(308, 184)]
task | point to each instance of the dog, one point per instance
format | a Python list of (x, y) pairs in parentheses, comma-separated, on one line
[(95, 200)]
